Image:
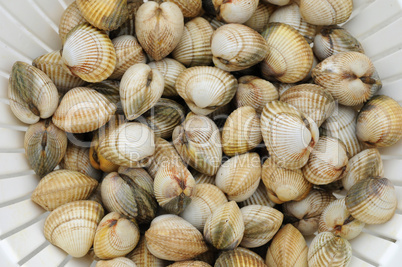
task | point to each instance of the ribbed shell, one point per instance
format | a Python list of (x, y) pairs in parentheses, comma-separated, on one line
[(110, 89), (283, 87), (142, 257), (174, 187), (313, 100), (128, 53), (128, 27), (367, 163), (45, 145), (190, 264), (235, 11), (379, 123), (326, 249), (260, 18), (277, 2), (206, 199), (240, 176), (342, 125), (220, 115), (194, 48), (189, 8), (83, 110), (172, 238), (170, 70), (116, 262), (289, 58), (372, 200), (260, 197), (130, 144), (350, 77), (237, 47), (206, 88), (52, 65), (70, 18), (260, 225), (255, 92), (88, 53), (282, 184), (130, 193), (288, 134), (326, 12), (72, 226), (61, 187), (288, 248), (239, 257), (215, 23), (104, 14), (201, 178), (337, 219), (115, 236), (290, 15), (198, 142), (159, 28), (32, 95)]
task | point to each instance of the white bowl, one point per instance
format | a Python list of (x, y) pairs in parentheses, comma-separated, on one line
[(29, 28)]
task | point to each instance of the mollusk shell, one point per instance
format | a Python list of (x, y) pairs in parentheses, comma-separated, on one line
[(239, 257), (235, 11), (142, 257), (128, 27), (277, 2), (326, 12), (260, 197), (70, 18), (260, 18), (189, 8), (110, 89), (190, 264), (170, 70), (116, 262), (201, 178)]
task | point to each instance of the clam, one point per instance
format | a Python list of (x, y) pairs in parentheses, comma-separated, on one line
[(237, 47), (224, 229), (201, 178), (283, 87), (174, 187), (289, 58), (140, 89), (255, 92), (206, 88), (71, 17), (72, 226), (189, 264), (128, 53), (105, 15), (260, 225), (159, 28), (213, 20), (288, 134), (170, 70), (288, 248), (189, 8), (260, 18), (88, 53), (172, 238), (337, 219), (241, 132), (313, 100), (128, 27), (326, 249), (260, 197), (33, 96), (206, 199), (379, 123), (305, 214), (240, 176), (372, 200), (235, 11), (45, 145), (277, 2), (110, 89), (142, 257), (83, 110), (220, 115), (326, 12), (290, 15), (116, 262), (350, 77), (208, 257), (199, 144), (194, 48), (52, 65), (96, 195), (62, 186), (130, 193), (115, 236), (239, 257), (367, 163)]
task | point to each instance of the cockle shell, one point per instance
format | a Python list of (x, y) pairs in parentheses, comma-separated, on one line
[(198, 142), (70, 18), (215, 23), (350, 77), (260, 197), (72, 226), (62, 186), (88, 53), (277, 2), (379, 123), (289, 58), (172, 238), (170, 70), (283, 87), (326, 12), (190, 264), (45, 145), (116, 262), (282, 184), (201, 178), (206, 88), (128, 27), (142, 257), (239, 257), (33, 96), (110, 89), (194, 48), (189, 8), (288, 248), (159, 28), (235, 11), (326, 249), (83, 110), (288, 134), (115, 236), (240, 176), (260, 18)]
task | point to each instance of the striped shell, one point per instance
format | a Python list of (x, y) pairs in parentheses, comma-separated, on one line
[(239, 257), (260, 197), (189, 264), (70, 18), (116, 262), (326, 12), (201, 178), (170, 70), (189, 8), (142, 257), (128, 27), (235, 11), (110, 89), (260, 18)]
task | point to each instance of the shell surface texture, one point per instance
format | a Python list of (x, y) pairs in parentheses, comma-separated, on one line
[(70, 18), (326, 12), (170, 70), (142, 257), (239, 257), (238, 11)]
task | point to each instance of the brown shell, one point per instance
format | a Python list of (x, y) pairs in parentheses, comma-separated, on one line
[(70, 18), (142, 257), (239, 257)]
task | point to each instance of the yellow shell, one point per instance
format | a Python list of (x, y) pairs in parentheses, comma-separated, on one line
[(70, 18), (142, 257), (170, 70), (239, 257), (326, 12), (116, 262)]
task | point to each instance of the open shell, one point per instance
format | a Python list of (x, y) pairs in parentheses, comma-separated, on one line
[(170, 70)]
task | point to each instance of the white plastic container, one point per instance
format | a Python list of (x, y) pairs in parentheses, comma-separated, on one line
[(29, 28)]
